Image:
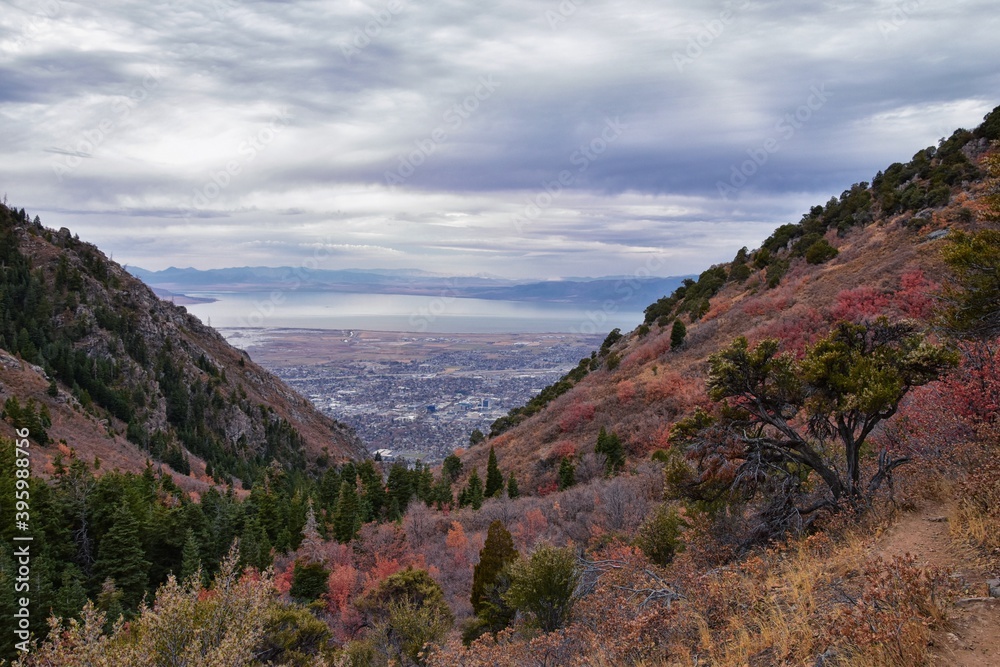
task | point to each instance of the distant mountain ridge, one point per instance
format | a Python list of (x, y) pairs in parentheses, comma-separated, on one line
[(622, 290)]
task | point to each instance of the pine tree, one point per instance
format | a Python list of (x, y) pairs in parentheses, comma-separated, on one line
[(72, 595), (494, 478), (512, 490), (190, 557), (610, 445), (452, 467), (400, 488), (255, 546), (567, 473), (474, 493), (120, 557), (345, 521), (677, 334), (490, 581)]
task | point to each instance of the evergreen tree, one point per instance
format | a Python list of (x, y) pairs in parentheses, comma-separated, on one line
[(442, 492), (494, 478), (452, 467), (109, 601), (400, 489), (610, 446), (512, 490), (374, 496), (474, 492), (72, 595), (190, 557), (659, 536), (120, 557), (677, 334), (346, 521), (309, 581), (490, 580), (255, 546), (542, 586), (567, 473)]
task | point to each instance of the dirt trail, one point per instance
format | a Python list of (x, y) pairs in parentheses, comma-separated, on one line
[(973, 639)]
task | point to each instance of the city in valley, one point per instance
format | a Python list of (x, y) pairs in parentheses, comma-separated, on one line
[(414, 395)]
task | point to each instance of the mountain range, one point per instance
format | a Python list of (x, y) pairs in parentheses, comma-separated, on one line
[(625, 291)]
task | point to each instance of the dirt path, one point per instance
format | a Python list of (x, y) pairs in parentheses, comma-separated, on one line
[(973, 640)]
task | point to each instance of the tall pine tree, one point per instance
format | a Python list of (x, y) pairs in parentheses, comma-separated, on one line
[(346, 521), (494, 478), (120, 557), (190, 557), (474, 492), (512, 490)]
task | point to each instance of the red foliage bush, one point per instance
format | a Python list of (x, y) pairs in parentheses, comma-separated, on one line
[(914, 297), (545, 488), (625, 391), (527, 531), (775, 303), (860, 304), (658, 344), (796, 330), (563, 449), (576, 414), (675, 392)]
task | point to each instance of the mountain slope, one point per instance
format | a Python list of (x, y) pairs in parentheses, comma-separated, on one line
[(873, 250), (134, 377)]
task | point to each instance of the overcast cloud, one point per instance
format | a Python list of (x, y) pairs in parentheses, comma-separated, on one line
[(524, 139)]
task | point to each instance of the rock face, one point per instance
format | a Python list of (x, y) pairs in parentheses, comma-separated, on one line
[(150, 371)]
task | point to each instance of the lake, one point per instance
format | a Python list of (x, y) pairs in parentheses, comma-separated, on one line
[(302, 309)]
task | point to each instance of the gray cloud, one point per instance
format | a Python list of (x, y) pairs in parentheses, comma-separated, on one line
[(404, 134)]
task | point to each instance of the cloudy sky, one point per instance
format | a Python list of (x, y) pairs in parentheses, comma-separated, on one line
[(520, 139)]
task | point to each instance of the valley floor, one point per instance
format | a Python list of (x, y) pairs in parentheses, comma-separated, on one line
[(418, 395)]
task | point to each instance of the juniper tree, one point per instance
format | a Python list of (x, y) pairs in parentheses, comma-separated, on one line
[(542, 587), (610, 445), (490, 580), (677, 334), (780, 419), (567, 473)]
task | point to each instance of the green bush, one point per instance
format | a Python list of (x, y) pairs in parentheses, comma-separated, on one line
[(542, 587)]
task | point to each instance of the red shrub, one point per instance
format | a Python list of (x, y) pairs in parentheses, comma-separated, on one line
[(796, 331), (860, 303), (563, 449), (913, 299), (574, 415), (626, 391)]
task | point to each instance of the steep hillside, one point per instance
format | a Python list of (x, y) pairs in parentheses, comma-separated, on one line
[(873, 250), (96, 363)]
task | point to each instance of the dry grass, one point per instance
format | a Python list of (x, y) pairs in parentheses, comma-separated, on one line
[(977, 515)]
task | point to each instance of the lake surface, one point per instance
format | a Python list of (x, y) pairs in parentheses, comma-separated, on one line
[(391, 312)]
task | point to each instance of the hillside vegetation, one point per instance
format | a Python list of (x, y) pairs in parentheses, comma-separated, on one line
[(712, 488), (143, 368)]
